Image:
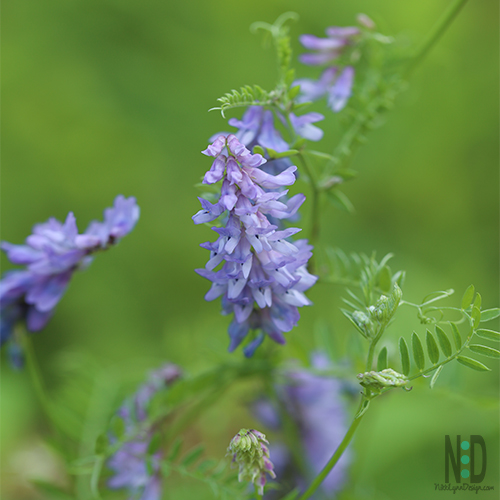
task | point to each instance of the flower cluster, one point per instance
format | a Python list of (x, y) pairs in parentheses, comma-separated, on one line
[(51, 255), (134, 469), (263, 275), (335, 82), (250, 452), (315, 405)]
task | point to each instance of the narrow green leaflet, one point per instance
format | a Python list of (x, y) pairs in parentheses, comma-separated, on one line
[(468, 296), (489, 314), (488, 334), (472, 363), (456, 335), (405, 357), (443, 341), (192, 456), (384, 279), (476, 317), (176, 448), (477, 301), (432, 348), (382, 361), (435, 376), (485, 351), (418, 351), (340, 200), (363, 409)]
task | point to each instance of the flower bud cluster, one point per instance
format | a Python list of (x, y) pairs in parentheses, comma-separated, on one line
[(251, 454), (379, 380)]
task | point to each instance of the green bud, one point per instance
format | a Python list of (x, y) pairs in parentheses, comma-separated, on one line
[(250, 452), (375, 381)]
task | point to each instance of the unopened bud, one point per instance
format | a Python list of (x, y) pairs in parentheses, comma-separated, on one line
[(250, 452), (376, 381)]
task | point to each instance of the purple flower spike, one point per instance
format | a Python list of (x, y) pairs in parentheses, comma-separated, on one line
[(315, 404), (51, 255), (134, 469), (263, 275), (341, 90)]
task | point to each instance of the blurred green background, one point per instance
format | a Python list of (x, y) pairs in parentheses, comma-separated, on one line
[(104, 97)]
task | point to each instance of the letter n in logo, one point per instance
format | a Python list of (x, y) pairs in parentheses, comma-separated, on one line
[(449, 457)]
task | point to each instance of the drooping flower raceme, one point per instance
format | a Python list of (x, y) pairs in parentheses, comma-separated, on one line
[(251, 454), (315, 404), (133, 468), (51, 255), (263, 275)]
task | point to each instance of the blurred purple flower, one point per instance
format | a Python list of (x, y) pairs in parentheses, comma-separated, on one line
[(339, 93), (337, 87), (51, 255), (327, 49), (263, 274), (133, 468), (316, 406)]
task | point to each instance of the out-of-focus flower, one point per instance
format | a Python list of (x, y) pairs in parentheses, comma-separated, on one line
[(335, 84), (133, 468), (263, 274), (327, 49), (315, 404), (51, 255), (251, 454)]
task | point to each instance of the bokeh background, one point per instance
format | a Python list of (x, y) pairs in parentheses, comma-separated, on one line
[(102, 97)]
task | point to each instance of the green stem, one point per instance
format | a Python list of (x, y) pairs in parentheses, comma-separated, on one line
[(335, 458), (35, 374), (315, 223), (258, 496), (435, 34)]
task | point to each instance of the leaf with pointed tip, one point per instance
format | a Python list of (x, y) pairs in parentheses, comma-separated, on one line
[(340, 200), (488, 334), (432, 348), (477, 301), (456, 335), (443, 341), (384, 279), (348, 315), (154, 444), (363, 409), (472, 363), (485, 351), (435, 376), (418, 351), (468, 296), (476, 317), (192, 456), (117, 426), (293, 495), (101, 444), (405, 357), (175, 449), (382, 362), (489, 314)]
